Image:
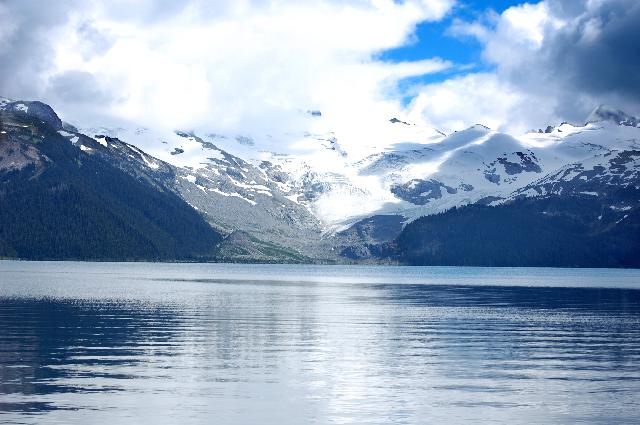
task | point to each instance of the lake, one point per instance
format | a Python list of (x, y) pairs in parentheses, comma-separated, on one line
[(105, 343)]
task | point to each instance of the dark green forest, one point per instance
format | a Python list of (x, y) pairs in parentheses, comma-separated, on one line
[(78, 206), (550, 232)]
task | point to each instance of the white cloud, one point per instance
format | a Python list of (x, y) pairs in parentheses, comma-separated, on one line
[(7, 28), (484, 98), (490, 98), (251, 67), (552, 61), (242, 66), (519, 33), (480, 29)]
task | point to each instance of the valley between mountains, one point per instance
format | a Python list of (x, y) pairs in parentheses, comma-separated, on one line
[(566, 195)]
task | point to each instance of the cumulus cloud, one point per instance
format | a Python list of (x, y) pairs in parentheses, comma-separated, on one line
[(462, 101), (27, 29), (252, 66), (243, 66), (599, 53), (77, 87), (554, 61)]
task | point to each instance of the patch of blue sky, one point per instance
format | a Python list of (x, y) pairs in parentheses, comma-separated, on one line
[(432, 39)]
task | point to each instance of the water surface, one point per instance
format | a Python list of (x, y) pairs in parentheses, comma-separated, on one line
[(243, 344)]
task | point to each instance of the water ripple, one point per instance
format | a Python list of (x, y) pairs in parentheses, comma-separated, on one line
[(90, 343)]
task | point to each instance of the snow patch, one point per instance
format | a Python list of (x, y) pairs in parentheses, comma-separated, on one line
[(614, 208), (232, 194), (292, 198), (151, 164), (625, 216)]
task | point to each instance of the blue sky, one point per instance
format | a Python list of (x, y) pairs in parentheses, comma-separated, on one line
[(433, 40)]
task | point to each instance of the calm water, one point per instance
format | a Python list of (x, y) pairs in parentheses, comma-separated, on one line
[(84, 343)]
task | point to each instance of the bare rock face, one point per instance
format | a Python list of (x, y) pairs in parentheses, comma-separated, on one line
[(612, 177), (607, 113), (16, 156), (37, 110), (419, 191)]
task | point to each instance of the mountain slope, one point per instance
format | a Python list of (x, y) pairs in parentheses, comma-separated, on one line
[(550, 232), (585, 214), (419, 171), (62, 201), (231, 194), (152, 194), (242, 247)]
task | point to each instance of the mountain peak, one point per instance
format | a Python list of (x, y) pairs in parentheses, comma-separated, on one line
[(395, 120), (608, 113), (35, 109), (479, 127)]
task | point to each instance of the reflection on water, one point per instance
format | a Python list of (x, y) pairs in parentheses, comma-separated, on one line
[(145, 343)]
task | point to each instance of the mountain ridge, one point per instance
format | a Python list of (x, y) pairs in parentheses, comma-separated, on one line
[(278, 206)]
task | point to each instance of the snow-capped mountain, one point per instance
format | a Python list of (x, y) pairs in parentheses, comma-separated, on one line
[(319, 194), (491, 165), (425, 172), (68, 196), (419, 172), (232, 194), (611, 177), (311, 168)]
